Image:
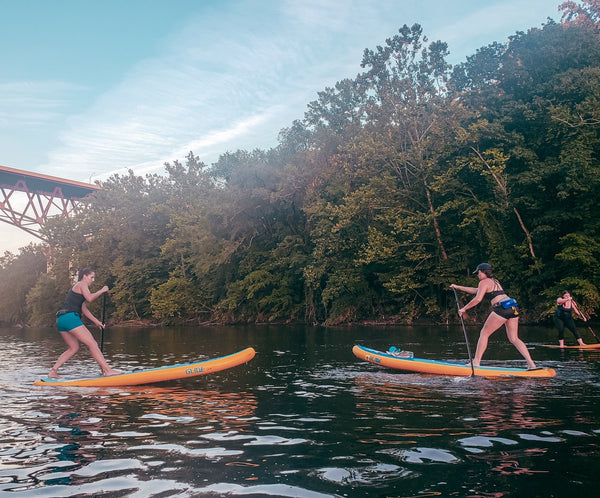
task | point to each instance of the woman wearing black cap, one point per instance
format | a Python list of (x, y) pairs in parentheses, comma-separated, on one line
[(505, 311)]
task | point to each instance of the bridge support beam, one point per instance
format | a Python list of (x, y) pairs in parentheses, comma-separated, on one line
[(28, 199)]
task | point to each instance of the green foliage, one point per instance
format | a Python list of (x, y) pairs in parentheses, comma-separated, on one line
[(43, 301), (18, 274), (177, 299), (395, 184)]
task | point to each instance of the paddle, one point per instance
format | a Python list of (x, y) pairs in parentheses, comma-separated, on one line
[(587, 319), (103, 323), (593, 333), (465, 332)]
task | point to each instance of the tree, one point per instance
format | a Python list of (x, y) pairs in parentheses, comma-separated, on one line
[(586, 13), (18, 274)]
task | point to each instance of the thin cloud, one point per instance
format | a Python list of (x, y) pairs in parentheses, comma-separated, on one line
[(205, 143), (33, 103), (189, 99)]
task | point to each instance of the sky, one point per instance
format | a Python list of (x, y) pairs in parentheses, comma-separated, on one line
[(89, 88)]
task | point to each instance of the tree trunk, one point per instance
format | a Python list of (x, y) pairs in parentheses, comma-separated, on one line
[(436, 225)]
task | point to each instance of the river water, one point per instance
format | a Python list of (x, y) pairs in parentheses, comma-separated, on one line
[(304, 418)]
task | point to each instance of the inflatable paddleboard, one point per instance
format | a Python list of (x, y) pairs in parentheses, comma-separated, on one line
[(577, 346), (438, 367), (160, 374)]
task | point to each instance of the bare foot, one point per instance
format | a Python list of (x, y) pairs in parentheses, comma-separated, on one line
[(53, 374), (111, 372)]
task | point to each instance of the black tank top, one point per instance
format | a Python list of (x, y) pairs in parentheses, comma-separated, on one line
[(73, 302), (496, 292), (562, 311)]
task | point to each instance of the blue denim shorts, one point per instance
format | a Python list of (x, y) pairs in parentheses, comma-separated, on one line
[(68, 321)]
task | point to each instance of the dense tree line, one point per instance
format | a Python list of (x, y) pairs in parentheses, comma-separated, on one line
[(394, 184)]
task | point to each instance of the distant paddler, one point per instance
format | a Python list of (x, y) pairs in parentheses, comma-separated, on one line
[(563, 317)]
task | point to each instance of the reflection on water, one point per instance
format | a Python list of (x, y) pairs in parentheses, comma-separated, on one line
[(87, 435), (305, 418)]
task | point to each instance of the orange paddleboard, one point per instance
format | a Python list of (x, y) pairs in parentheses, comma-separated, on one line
[(438, 367), (577, 346), (161, 374)]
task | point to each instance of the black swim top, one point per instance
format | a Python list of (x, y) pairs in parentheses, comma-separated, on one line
[(561, 310), (73, 302), (498, 291)]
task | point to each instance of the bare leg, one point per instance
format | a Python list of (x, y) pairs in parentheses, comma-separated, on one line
[(493, 323), (82, 334), (73, 345), (512, 331)]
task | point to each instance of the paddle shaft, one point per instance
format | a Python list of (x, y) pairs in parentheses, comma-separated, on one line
[(465, 332), (593, 333), (103, 315), (587, 318)]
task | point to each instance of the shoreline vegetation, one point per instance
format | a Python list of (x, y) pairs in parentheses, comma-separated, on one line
[(393, 185), (383, 323)]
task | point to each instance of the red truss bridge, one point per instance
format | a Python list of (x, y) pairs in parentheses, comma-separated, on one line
[(28, 199)]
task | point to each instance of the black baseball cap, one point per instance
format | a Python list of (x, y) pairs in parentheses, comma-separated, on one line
[(482, 267)]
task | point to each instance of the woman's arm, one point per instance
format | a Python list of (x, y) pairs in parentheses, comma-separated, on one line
[(479, 293), (89, 296), (574, 305), (469, 290), (89, 315)]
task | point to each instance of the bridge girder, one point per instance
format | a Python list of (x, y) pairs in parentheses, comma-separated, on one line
[(28, 199)]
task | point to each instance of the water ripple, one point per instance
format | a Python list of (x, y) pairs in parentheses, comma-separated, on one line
[(212, 453), (311, 421), (423, 455), (265, 489)]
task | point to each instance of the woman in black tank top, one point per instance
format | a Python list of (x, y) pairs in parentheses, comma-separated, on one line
[(72, 329), (505, 311), (563, 317)]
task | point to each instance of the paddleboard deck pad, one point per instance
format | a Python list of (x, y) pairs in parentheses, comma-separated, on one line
[(578, 346), (437, 367), (160, 374)]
